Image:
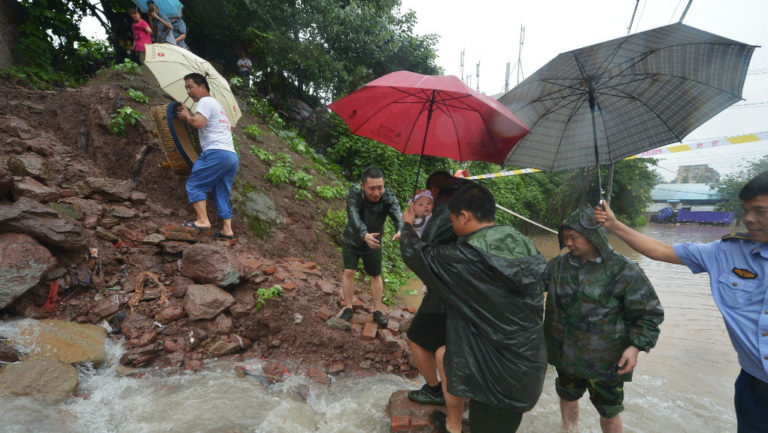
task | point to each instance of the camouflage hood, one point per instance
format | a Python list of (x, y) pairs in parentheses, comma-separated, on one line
[(579, 220)]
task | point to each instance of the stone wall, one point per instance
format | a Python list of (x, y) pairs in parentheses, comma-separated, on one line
[(10, 12)]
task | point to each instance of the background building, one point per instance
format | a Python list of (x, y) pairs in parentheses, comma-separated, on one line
[(701, 173)]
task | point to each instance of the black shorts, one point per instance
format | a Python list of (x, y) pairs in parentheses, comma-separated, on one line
[(427, 330), (371, 260), (484, 418)]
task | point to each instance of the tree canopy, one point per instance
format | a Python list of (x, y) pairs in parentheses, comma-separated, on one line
[(729, 186)]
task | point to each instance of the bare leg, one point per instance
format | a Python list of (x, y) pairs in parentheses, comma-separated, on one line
[(348, 286), (611, 425), (377, 289), (226, 228), (454, 404), (569, 411), (425, 362), (202, 215)]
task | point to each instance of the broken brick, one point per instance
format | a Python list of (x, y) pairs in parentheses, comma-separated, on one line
[(369, 332), (400, 423), (323, 315), (270, 270), (289, 286)]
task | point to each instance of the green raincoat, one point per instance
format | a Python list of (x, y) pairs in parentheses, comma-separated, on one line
[(495, 350), (597, 309), (364, 217)]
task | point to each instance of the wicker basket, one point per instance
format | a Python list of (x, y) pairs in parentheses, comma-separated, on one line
[(178, 140)]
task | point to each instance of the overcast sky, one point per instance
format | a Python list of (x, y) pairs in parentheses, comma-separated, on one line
[(489, 32)]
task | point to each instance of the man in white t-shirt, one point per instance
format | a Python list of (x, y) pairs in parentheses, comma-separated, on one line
[(216, 167)]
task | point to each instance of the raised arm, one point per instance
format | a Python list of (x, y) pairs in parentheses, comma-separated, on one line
[(645, 245)]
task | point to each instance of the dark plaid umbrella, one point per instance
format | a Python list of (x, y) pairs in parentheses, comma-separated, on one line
[(602, 103)]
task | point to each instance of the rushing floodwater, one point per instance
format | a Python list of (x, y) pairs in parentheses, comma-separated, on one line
[(684, 385)]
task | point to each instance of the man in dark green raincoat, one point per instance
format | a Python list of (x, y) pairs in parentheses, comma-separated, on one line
[(601, 310), (368, 205), (494, 352)]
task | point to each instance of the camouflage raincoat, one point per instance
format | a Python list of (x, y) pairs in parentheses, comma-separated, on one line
[(364, 217), (597, 309), (495, 350)]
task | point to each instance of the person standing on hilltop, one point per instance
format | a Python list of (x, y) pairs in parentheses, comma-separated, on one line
[(141, 34), (180, 31), (161, 25), (216, 167), (368, 205)]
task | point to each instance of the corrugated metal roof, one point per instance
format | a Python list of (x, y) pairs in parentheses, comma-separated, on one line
[(664, 192)]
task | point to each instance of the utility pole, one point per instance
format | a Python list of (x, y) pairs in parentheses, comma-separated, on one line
[(682, 17), (506, 79), (461, 67), (520, 54), (477, 75)]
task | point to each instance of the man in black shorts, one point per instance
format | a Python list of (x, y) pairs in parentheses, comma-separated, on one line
[(368, 205), (427, 331)]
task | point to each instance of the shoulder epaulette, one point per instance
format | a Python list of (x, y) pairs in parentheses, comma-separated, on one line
[(733, 236)]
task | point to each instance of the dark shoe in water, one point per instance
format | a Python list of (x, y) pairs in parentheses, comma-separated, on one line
[(380, 318), (438, 419), (428, 395), (347, 314)]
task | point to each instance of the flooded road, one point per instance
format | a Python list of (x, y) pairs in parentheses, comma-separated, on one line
[(685, 384)]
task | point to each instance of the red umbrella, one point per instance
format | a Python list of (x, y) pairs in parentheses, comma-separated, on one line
[(434, 115)]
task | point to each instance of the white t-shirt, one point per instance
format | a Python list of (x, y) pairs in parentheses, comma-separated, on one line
[(217, 132), (244, 64)]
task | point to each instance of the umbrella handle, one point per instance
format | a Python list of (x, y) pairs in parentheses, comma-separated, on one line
[(586, 223)]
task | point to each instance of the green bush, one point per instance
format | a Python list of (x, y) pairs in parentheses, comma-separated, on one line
[(137, 96), (330, 192), (236, 82), (334, 223), (278, 175), (124, 115), (301, 180), (302, 195), (128, 66), (263, 294), (254, 132), (262, 154)]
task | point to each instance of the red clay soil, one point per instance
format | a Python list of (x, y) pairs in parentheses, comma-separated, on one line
[(304, 259)]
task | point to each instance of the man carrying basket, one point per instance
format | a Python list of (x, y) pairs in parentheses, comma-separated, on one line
[(216, 167)]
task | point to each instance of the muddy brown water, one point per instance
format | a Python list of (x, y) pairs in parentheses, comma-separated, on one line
[(685, 384)]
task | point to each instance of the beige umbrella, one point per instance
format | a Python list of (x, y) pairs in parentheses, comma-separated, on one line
[(170, 64)]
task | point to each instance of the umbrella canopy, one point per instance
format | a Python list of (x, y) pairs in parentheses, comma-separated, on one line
[(646, 90), (170, 63), (431, 115), (171, 8)]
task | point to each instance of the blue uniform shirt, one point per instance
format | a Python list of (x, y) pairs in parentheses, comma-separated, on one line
[(738, 275)]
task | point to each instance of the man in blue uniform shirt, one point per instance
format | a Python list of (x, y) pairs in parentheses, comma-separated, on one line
[(737, 266)]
